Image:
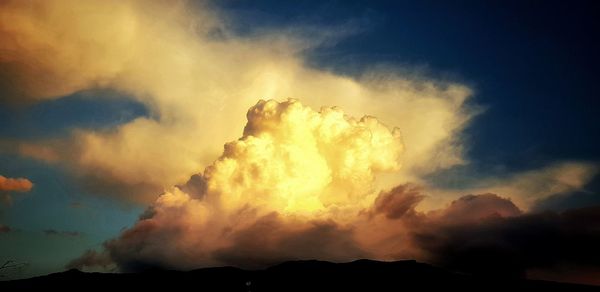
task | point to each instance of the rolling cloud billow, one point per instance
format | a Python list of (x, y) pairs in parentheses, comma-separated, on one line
[(289, 190)]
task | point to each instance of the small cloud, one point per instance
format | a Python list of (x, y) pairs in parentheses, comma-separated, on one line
[(9, 185), (53, 232), (15, 184), (40, 152)]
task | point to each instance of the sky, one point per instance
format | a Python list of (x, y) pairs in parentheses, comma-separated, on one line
[(139, 134)]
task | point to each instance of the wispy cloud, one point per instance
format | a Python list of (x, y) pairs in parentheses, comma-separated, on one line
[(53, 232)]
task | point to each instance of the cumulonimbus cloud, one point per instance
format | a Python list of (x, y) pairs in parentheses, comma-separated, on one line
[(286, 190), (197, 79), (298, 178)]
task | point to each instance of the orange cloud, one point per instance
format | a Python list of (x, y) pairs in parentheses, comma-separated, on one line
[(300, 184), (9, 185), (295, 172), (15, 184)]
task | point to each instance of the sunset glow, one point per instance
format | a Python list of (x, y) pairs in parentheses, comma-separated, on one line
[(189, 134)]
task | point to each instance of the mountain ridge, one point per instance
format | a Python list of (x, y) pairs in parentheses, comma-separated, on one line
[(300, 275)]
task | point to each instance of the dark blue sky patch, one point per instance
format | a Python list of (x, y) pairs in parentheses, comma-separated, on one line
[(532, 64), (96, 109)]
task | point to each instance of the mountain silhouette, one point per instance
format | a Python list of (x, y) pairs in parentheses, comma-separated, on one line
[(311, 275)]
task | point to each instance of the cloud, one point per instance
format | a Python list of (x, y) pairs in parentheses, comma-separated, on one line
[(14, 184), (480, 234), (398, 201), (53, 232), (298, 161), (301, 184), (10, 185), (90, 258), (277, 242), (308, 182), (471, 208), (295, 177), (488, 235), (567, 201), (527, 188), (530, 186), (197, 78), (514, 245)]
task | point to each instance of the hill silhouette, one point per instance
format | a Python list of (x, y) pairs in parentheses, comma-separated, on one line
[(312, 275)]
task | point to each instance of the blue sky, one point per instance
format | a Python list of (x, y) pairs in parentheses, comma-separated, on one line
[(532, 65)]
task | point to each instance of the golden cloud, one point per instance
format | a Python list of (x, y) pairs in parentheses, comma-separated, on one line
[(295, 169), (298, 184), (197, 78)]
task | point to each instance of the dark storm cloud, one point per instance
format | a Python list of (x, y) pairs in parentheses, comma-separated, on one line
[(499, 245), (487, 234), (131, 253), (269, 241), (480, 234)]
